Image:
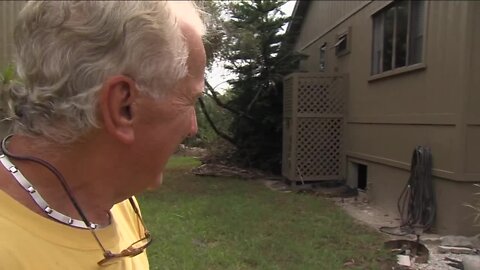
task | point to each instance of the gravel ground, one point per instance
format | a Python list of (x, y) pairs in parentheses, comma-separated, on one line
[(437, 261), (361, 210)]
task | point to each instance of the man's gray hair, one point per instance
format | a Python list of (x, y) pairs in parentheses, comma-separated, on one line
[(65, 50)]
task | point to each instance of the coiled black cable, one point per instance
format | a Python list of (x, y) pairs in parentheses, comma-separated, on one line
[(417, 204)]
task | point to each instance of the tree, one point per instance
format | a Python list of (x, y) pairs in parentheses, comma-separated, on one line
[(252, 49)]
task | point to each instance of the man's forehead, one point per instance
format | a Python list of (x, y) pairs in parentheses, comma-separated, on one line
[(191, 34), (196, 56), (187, 13)]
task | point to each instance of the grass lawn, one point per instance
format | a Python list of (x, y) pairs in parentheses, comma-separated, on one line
[(227, 223)]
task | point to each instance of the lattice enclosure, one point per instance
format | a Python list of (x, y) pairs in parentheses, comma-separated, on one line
[(287, 142), (287, 97), (319, 98), (313, 127), (319, 147)]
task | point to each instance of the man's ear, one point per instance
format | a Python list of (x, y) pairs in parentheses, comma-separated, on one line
[(115, 107)]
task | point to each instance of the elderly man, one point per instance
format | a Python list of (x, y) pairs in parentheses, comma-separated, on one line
[(108, 92)]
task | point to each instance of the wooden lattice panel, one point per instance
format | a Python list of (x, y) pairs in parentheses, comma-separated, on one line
[(319, 96), (287, 145), (287, 97), (318, 147), (314, 105)]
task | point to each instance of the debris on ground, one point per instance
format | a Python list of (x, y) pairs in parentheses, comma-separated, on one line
[(227, 171), (330, 190), (457, 264), (279, 186), (335, 190), (467, 263), (377, 217), (441, 250), (408, 252), (456, 250), (471, 262), (472, 242), (184, 150), (404, 260)]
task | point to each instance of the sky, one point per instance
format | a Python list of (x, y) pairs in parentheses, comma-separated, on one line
[(218, 77)]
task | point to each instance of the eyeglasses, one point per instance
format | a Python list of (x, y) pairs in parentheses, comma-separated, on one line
[(131, 251)]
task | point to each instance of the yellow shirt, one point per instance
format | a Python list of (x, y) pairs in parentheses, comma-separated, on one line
[(30, 241)]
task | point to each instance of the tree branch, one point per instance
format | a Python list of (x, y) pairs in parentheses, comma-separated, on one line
[(214, 96), (210, 121), (249, 107)]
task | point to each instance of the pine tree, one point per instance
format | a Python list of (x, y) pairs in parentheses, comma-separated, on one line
[(254, 52)]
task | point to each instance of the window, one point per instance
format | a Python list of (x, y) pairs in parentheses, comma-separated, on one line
[(398, 34), (323, 55)]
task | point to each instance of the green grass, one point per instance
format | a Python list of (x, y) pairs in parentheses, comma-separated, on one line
[(227, 223), (182, 163)]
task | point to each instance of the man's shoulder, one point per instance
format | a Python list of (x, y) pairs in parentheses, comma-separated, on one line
[(125, 215), (13, 239), (9, 259), (8, 213), (13, 233)]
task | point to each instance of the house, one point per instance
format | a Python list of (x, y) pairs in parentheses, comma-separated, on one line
[(8, 14), (413, 71)]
